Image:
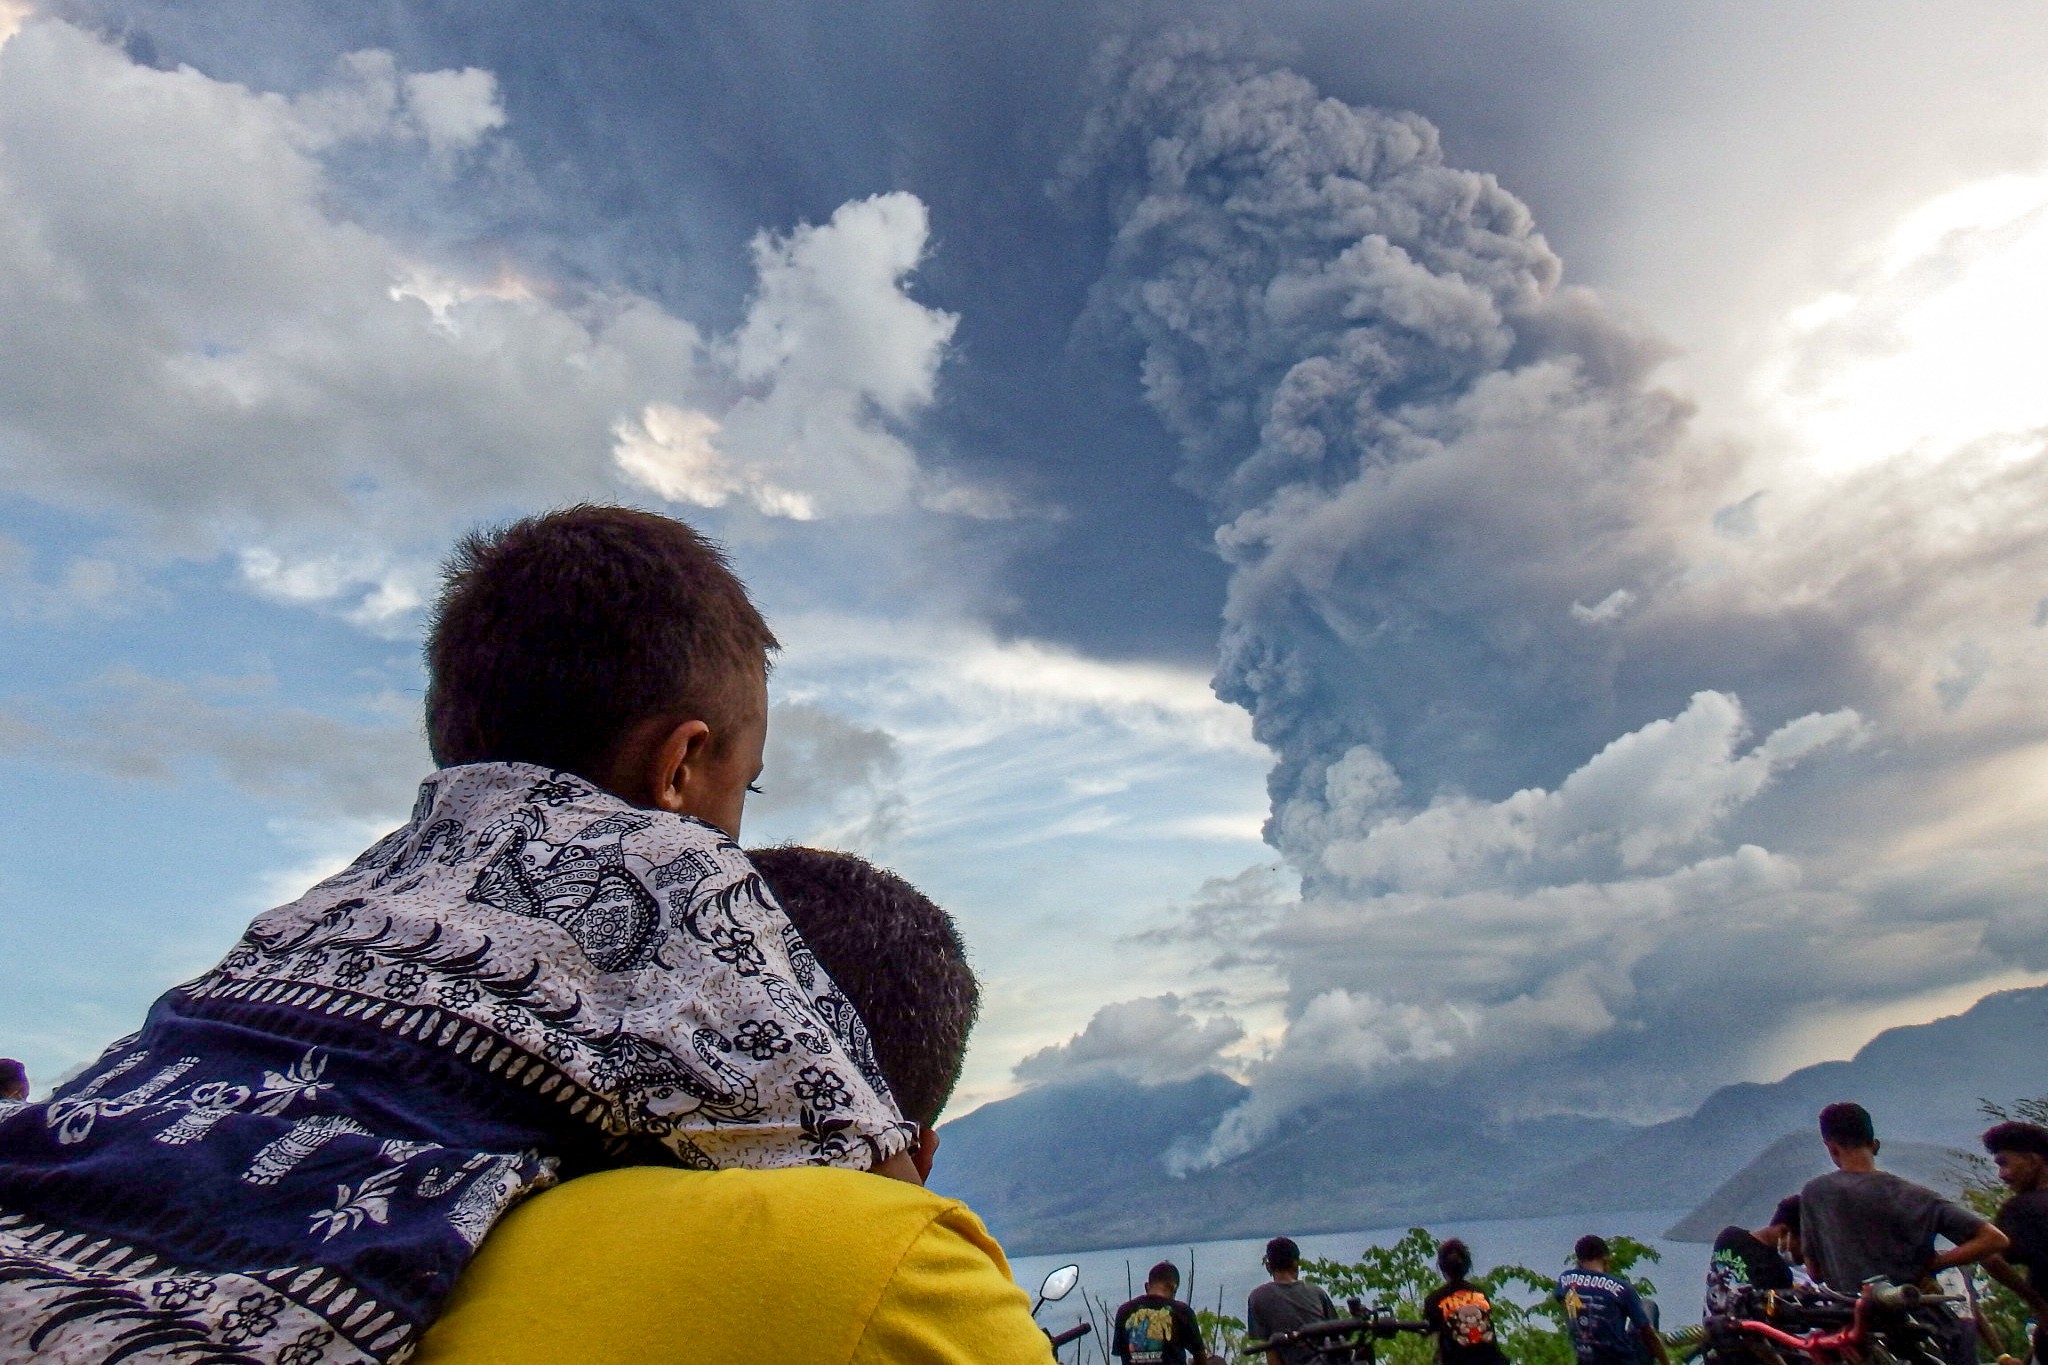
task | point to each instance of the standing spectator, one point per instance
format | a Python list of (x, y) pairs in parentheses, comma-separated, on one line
[(1285, 1302), (1857, 1222), (1459, 1314), (1606, 1317), (1156, 1328), (1745, 1261), (2021, 1151), (13, 1080)]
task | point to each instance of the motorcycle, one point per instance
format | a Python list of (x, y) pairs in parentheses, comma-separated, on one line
[(1885, 1324), (1055, 1287)]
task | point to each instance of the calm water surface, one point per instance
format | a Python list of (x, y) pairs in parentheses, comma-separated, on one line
[(1226, 1271)]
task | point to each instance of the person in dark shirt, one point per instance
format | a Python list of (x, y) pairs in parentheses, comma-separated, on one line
[(2021, 1151), (1156, 1328), (1744, 1262), (1459, 1313), (1285, 1302), (1603, 1312)]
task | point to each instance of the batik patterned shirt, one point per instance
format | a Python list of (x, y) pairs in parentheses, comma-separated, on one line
[(299, 1151)]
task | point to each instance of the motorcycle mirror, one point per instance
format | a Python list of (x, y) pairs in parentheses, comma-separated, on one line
[(1059, 1284)]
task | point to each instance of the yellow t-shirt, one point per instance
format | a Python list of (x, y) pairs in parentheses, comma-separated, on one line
[(814, 1265)]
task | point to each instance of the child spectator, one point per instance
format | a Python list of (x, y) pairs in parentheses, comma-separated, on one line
[(1459, 1314), (563, 962)]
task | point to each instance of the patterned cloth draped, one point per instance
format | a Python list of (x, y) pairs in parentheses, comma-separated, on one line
[(298, 1153)]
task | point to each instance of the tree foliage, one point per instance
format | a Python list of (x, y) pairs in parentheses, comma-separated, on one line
[(1529, 1322)]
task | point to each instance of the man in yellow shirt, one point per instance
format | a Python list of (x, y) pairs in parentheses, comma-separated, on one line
[(819, 1266)]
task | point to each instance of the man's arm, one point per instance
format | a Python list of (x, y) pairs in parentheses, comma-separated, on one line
[(1986, 1241), (1199, 1352), (2019, 1282), (1639, 1314)]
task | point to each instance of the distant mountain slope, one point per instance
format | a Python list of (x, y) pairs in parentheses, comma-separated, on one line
[(1921, 1083), (1077, 1166), (1073, 1167), (1748, 1197)]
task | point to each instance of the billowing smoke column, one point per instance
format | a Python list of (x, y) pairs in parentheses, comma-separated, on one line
[(1422, 453), (1445, 485)]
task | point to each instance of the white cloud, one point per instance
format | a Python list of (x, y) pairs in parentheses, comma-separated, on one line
[(670, 451), (454, 109), (1150, 1041), (200, 339)]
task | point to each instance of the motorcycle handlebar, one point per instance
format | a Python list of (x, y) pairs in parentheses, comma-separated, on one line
[(1378, 1326), (1074, 1333)]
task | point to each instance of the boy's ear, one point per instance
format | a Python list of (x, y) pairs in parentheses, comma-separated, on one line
[(673, 762), (927, 1148)]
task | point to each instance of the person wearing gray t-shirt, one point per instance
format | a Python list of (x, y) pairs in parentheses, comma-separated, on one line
[(1285, 1303), (1857, 1222)]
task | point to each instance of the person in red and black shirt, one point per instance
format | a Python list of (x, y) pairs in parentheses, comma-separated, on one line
[(1459, 1313)]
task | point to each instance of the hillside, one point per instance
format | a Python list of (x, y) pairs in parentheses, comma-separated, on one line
[(1073, 1167), (1748, 1197)]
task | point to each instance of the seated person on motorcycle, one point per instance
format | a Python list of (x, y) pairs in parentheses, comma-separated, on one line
[(1603, 1313), (1156, 1328), (554, 967), (1857, 1222), (819, 1266), (2021, 1151), (1285, 1302), (1744, 1263), (1459, 1315)]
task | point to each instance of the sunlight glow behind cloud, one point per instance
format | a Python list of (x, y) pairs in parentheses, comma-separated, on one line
[(1939, 340)]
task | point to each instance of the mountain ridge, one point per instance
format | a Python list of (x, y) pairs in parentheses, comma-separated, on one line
[(1077, 1166)]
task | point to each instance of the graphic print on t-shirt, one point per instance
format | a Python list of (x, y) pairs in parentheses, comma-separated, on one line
[(1468, 1317), (1147, 1333), (1603, 1313)]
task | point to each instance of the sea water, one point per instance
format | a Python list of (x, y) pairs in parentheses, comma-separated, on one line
[(1214, 1273)]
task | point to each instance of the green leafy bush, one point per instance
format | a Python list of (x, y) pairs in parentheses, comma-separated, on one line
[(1529, 1322)]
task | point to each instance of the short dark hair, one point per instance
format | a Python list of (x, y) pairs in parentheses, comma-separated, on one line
[(1847, 1125), (1454, 1258), (556, 635), (1166, 1272), (1590, 1248), (1786, 1215), (898, 957), (2016, 1136), (13, 1079), (1282, 1254)]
